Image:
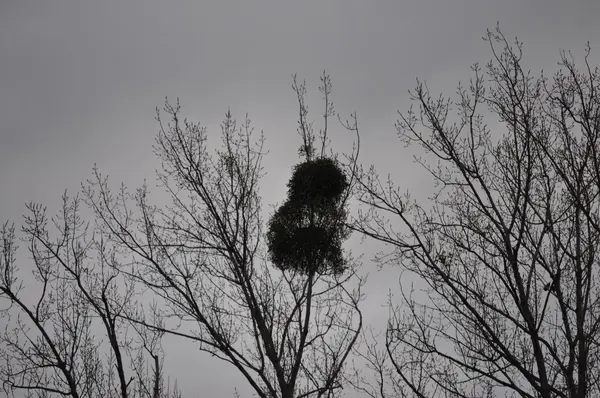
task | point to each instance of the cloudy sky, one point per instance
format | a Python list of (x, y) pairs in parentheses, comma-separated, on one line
[(80, 80)]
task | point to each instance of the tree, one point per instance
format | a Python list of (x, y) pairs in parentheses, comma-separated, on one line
[(507, 248), (71, 339), (204, 258)]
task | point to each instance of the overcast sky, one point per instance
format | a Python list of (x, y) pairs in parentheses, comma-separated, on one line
[(80, 80)]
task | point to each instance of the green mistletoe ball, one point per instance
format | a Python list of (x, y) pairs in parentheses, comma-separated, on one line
[(306, 233)]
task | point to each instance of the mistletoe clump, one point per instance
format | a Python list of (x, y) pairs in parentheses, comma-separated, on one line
[(319, 181), (306, 233)]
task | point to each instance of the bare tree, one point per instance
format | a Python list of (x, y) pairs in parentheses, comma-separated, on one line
[(507, 248), (70, 339), (204, 257)]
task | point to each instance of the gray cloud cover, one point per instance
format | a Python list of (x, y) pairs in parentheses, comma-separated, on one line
[(79, 81)]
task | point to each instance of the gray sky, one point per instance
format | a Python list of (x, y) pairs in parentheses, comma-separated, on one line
[(79, 82)]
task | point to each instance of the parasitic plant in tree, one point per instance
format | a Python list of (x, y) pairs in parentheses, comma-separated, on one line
[(306, 233)]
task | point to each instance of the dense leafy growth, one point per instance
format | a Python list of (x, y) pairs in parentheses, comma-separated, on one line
[(306, 232)]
